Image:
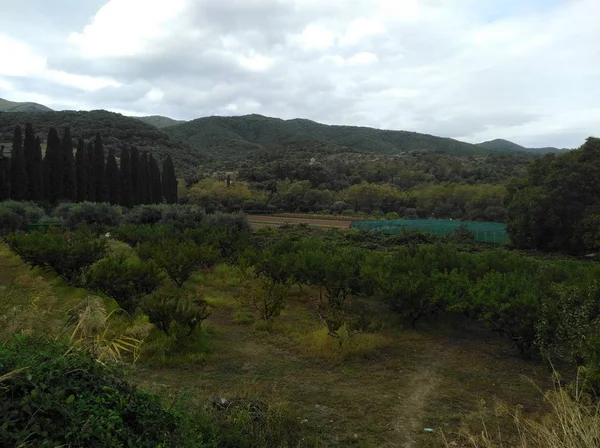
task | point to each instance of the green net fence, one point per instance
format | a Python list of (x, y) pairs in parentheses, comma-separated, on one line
[(488, 232)]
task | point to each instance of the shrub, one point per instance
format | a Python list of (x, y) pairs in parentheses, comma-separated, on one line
[(145, 214), (179, 259), (124, 279), (264, 295), (349, 345), (169, 305), (57, 397), (69, 254), (16, 216), (392, 216), (98, 215)]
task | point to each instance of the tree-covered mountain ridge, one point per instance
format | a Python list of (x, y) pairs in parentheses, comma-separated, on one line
[(231, 136), (506, 145)]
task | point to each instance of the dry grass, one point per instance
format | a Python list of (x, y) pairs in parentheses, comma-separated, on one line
[(361, 345), (573, 421)]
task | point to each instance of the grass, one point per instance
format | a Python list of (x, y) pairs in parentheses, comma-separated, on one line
[(378, 389)]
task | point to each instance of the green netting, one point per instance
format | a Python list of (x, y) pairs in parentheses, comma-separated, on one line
[(488, 232)]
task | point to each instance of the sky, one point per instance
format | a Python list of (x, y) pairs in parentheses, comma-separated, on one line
[(524, 70)]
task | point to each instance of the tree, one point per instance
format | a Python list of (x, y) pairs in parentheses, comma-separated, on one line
[(135, 177), (4, 175), (18, 172), (69, 254), (126, 181), (556, 207), (125, 279), (156, 184), (113, 178), (91, 173), (179, 258), (169, 181), (68, 174), (82, 172), (100, 171), (144, 174), (53, 167), (33, 164)]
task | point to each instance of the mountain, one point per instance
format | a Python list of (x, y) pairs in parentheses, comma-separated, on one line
[(158, 121), (231, 137), (505, 145), (117, 131), (11, 106)]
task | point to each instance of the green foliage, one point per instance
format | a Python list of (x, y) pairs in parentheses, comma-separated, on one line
[(98, 215), (57, 397), (178, 258), (18, 170), (264, 295), (556, 207), (17, 215), (69, 254), (125, 279)]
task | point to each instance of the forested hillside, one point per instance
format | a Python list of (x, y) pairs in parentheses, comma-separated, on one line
[(505, 145), (12, 106), (118, 132), (158, 121), (232, 136)]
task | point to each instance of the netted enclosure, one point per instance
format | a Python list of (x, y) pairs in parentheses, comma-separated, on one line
[(488, 232)]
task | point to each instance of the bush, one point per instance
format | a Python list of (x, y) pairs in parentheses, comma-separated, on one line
[(50, 396), (145, 214), (169, 305), (98, 215), (179, 259), (392, 216), (16, 216), (69, 254), (124, 279)]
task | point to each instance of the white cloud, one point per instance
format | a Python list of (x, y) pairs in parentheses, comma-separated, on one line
[(127, 27), (460, 68)]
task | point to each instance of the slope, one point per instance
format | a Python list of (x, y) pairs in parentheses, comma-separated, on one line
[(117, 131), (12, 106), (158, 121), (506, 145), (230, 137)]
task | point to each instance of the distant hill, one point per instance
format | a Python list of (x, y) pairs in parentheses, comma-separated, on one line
[(159, 121), (116, 130), (12, 106), (505, 145), (231, 137)]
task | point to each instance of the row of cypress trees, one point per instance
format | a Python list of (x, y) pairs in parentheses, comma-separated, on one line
[(87, 176)]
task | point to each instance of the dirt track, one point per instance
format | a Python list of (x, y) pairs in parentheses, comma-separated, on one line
[(279, 220)]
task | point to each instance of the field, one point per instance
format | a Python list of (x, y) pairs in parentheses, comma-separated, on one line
[(258, 221), (383, 393)]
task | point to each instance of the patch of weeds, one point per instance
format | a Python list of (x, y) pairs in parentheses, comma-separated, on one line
[(221, 302), (176, 348), (243, 317), (321, 344)]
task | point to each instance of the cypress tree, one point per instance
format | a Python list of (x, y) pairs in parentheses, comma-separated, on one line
[(18, 173), (135, 176), (32, 152), (81, 172), (53, 167), (143, 180), (169, 181), (100, 170), (113, 178), (91, 174), (4, 175), (126, 186), (156, 185), (68, 173)]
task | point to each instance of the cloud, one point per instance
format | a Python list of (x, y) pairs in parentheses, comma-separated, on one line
[(461, 68)]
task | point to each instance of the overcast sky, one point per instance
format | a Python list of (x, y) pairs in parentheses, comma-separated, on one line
[(524, 70)]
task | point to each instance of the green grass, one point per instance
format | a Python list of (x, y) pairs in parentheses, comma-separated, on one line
[(379, 389)]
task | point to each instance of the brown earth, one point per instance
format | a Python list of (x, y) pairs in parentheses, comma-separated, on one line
[(280, 220)]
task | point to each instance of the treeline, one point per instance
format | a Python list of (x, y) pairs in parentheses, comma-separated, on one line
[(479, 202), (58, 175), (557, 206)]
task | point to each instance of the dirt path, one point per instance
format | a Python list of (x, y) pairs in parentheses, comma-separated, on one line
[(410, 408)]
